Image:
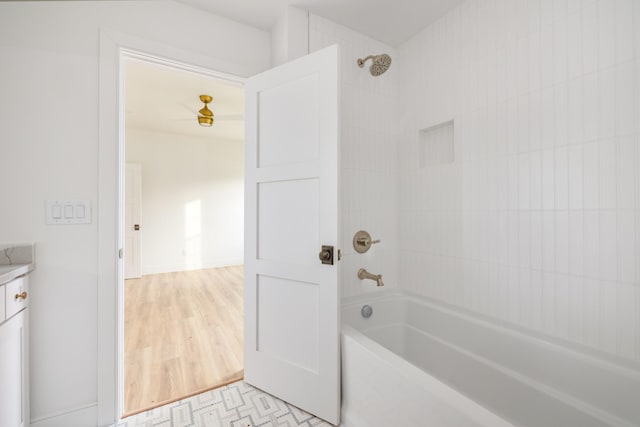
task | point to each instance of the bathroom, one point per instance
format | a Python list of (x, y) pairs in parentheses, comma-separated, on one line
[(531, 221)]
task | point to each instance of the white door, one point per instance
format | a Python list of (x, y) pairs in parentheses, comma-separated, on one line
[(133, 184), (292, 324)]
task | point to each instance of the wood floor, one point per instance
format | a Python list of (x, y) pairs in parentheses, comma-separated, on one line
[(183, 335)]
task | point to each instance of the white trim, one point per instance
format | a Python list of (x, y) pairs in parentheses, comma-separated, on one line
[(115, 46), (81, 416), (228, 79)]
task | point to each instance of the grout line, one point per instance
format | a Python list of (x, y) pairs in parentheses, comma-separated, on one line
[(600, 277), (308, 32), (583, 322), (618, 329)]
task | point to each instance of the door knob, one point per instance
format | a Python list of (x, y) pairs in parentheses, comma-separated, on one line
[(326, 255)]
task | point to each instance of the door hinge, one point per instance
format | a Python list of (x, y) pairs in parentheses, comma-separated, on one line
[(120, 253)]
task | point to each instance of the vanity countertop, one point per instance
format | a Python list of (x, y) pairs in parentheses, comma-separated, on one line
[(16, 260), (10, 272)]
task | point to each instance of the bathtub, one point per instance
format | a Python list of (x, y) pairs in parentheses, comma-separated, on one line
[(416, 362)]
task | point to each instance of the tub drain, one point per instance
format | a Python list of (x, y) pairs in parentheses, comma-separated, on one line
[(366, 311)]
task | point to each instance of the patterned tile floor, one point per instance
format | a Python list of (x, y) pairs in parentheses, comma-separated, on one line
[(235, 405)]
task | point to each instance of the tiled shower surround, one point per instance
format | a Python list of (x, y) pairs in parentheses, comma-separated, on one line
[(536, 221), (369, 142)]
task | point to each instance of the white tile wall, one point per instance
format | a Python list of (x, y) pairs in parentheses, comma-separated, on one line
[(537, 221), (369, 154)]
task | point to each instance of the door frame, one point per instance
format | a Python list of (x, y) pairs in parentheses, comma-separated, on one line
[(136, 172), (115, 49)]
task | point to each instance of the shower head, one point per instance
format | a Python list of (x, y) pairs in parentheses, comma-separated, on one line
[(379, 63)]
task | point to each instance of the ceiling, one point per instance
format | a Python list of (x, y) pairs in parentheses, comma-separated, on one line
[(389, 21), (167, 100)]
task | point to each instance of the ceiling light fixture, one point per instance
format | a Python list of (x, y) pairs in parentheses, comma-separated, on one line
[(205, 116)]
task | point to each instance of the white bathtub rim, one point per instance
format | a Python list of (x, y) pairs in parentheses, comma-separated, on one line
[(608, 361), (450, 396), (607, 417)]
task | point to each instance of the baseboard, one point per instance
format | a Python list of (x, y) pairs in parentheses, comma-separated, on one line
[(80, 417), (158, 269)]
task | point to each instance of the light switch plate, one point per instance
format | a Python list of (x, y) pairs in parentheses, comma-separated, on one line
[(69, 211)]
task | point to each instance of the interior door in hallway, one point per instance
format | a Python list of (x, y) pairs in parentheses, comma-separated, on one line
[(133, 185), (292, 324)]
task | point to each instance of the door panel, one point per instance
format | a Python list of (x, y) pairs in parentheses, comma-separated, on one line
[(274, 317), (284, 124), (288, 221), (292, 324)]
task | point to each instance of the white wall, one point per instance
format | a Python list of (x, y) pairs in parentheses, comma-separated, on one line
[(290, 36), (369, 154), (536, 222), (279, 41), (192, 200), (49, 149)]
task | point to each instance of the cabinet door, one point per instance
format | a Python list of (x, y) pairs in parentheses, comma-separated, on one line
[(13, 371)]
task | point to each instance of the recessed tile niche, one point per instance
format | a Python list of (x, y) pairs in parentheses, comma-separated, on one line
[(435, 145)]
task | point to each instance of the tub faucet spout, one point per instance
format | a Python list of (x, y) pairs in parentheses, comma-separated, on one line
[(364, 274)]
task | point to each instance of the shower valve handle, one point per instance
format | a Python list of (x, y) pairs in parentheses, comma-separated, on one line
[(362, 241)]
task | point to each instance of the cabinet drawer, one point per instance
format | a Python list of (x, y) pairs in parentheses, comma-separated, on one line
[(16, 295)]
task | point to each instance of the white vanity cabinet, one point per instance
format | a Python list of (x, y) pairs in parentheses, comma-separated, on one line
[(14, 360)]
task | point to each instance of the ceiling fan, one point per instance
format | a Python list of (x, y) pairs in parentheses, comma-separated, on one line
[(205, 117)]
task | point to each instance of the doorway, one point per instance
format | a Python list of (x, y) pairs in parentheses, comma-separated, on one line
[(182, 228)]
